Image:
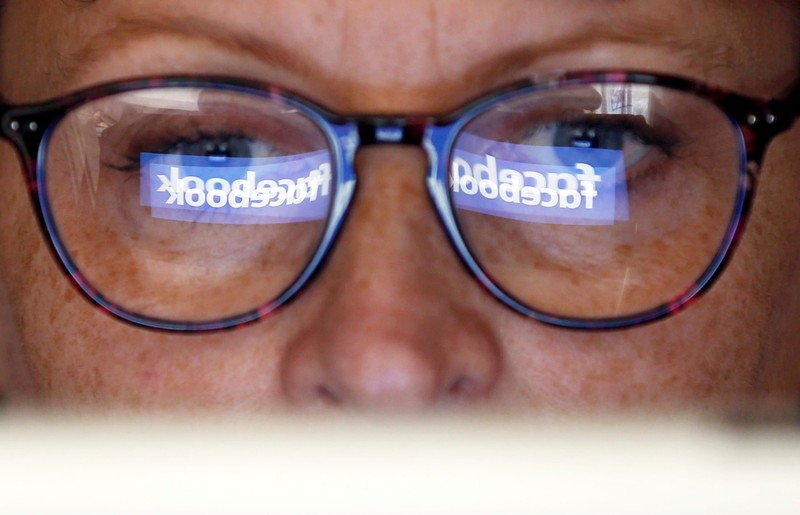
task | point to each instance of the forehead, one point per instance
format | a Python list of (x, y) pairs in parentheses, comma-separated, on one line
[(423, 45)]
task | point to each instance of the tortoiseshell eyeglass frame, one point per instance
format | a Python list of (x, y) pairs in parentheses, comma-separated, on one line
[(756, 121)]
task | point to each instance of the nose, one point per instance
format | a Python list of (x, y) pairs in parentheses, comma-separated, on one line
[(394, 321)]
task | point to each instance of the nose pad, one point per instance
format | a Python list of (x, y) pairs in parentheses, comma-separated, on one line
[(393, 322)]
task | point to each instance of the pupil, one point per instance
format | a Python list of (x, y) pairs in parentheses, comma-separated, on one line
[(216, 149), (221, 147), (584, 136)]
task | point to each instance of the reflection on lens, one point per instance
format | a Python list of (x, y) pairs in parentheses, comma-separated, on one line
[(189, 204), (596, 202)]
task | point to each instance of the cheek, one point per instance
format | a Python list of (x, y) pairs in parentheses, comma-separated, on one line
[(74, 354), (707, 356), (700, 359), (735, 344), (771, 266), (35, 285), (78, 356)]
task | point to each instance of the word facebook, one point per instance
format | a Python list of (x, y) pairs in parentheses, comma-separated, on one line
[(542, 184), (243, 193), (237, 190), (555, 190)]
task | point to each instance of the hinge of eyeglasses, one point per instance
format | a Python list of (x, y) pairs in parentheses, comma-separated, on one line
[(753, 119), (31, 126), (23, 128), (774, 120)]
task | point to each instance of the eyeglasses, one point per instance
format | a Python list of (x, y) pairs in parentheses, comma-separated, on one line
[(586, 200)]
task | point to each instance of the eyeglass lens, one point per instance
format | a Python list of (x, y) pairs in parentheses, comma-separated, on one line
[(188, 204), (199, 204), (597, 201)]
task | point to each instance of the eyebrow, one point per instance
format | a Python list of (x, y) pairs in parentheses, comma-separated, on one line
[(706, 55), (129, 29)]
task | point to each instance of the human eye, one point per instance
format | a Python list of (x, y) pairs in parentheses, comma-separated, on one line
[(217, 144), (219, 129), (630, 134)]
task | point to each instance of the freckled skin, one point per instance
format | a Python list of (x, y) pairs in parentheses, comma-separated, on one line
[(394, 321)]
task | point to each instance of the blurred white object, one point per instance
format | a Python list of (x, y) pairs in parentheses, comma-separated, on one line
[(395, 467)]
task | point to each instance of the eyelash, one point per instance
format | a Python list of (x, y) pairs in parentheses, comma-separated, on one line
[(167, 143), (603, 125)]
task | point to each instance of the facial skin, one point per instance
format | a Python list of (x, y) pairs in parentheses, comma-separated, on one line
[(394, 321)]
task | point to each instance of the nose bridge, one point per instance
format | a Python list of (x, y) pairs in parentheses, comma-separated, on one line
[(356, 133), (389, 217), (385, 334), (432, 135)]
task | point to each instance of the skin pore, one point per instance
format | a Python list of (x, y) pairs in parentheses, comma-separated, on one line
[(394, 321)]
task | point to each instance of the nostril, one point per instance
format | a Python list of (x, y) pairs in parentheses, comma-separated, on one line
[(462, 388), (328, 397)]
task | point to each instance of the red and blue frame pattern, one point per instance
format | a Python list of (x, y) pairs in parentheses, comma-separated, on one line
[(758, 121)]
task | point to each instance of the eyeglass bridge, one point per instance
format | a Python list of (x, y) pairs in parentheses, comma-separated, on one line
[(391, 130)]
